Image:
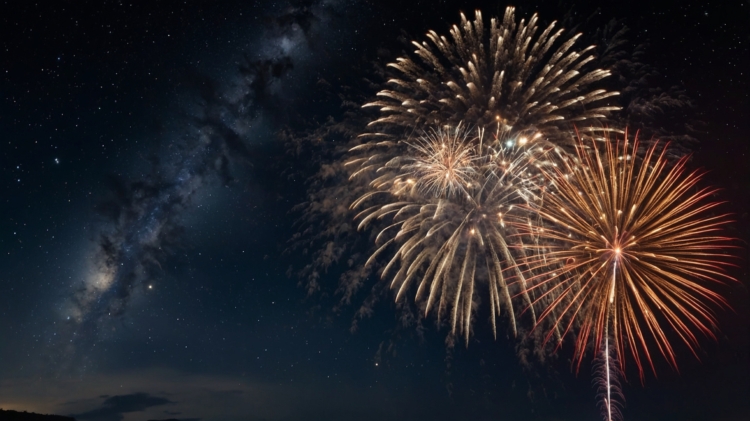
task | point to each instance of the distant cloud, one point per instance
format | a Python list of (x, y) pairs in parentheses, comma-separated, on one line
[(114, 407), (179, 419)]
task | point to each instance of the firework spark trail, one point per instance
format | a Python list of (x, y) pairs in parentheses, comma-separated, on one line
[(609, 379), (646, 224), (606, 379), (609, 383)]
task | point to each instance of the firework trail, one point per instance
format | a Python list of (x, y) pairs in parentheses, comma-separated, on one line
[(631, 249), (606, 379)]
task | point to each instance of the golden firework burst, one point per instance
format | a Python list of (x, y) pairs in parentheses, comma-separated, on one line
[(450, 197), (632, 249), (508, 73)]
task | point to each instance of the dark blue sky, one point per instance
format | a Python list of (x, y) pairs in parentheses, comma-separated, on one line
[(136, 124)]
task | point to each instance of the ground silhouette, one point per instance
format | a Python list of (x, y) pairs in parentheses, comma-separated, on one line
[(9, 415)]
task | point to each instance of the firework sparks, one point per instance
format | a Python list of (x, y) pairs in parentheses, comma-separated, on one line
[(443, 164), (631, 246)]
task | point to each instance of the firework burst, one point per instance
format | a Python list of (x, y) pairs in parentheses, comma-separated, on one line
[(506, 73), (449, 198), (443, 163), (632, 250)]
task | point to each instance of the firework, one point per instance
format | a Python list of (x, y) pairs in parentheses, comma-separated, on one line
[(505, 74), (450, 197), (443, 163), (440, 187), (632, 250)]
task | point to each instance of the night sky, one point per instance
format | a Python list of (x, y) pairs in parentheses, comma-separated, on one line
[(144, 136)]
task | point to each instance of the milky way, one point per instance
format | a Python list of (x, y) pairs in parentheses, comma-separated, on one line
[(143, 217)]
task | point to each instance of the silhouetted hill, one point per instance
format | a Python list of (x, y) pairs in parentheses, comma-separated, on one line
[(30, 416)]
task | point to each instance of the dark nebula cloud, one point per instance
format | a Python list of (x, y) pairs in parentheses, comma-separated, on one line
[(114, 407)]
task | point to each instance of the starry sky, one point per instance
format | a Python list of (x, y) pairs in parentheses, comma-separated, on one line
[(147, 207)]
